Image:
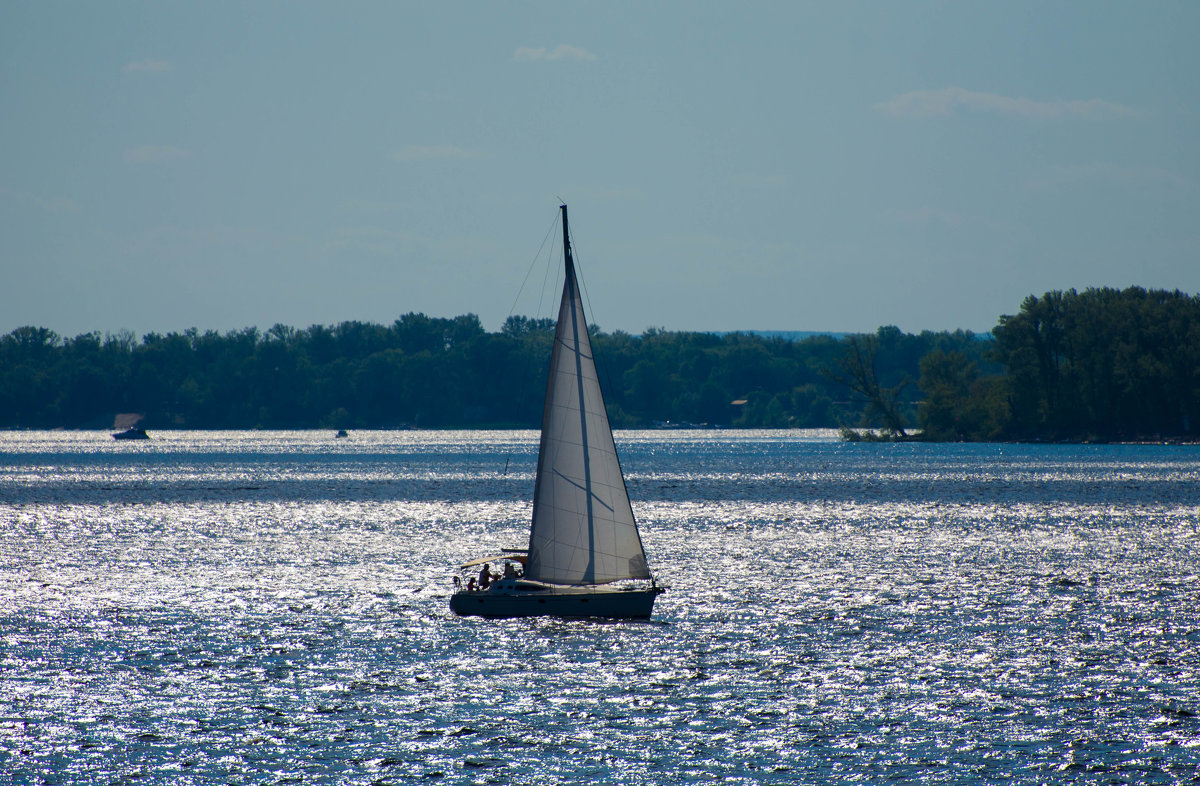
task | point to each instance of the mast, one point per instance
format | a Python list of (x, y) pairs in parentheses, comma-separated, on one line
[(572, 283), (566, 240)]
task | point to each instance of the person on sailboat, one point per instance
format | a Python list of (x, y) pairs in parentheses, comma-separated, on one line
[(485, 577)]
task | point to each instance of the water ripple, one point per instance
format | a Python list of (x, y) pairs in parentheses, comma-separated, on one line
[(270, 607)]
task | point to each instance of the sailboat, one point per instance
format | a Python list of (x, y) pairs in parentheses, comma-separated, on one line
[(585, 557)]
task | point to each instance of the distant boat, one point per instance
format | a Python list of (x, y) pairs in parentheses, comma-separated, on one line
[(133, 432), (341, 433), (585, 556)]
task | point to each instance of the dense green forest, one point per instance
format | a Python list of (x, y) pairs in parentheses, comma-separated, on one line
[(1097, 365), (1102, 364), (434, 373)]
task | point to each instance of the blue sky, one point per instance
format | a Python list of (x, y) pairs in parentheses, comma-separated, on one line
[(771, 166)]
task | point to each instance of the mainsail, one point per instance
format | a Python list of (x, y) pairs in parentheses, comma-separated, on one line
[(583, 527)]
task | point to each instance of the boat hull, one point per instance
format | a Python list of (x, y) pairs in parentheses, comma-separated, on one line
[(609, 604)]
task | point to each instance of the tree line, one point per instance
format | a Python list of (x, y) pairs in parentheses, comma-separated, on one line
[(431, 372), (1101, 364)]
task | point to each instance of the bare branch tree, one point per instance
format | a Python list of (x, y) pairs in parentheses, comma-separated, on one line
[(856, 370)]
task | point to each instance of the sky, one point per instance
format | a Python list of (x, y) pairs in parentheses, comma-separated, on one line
[(833, 166)]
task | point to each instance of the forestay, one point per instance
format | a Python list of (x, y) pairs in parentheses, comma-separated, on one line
[(583, 527)]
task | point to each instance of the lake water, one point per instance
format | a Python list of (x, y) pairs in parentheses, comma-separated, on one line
[(271, 607)]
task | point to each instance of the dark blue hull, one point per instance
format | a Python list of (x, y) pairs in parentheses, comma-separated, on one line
[(569, 602)]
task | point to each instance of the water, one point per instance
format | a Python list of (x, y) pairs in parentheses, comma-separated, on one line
[(271, 607)]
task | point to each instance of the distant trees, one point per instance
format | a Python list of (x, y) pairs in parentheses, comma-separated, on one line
[(1101, 364), (353, 373), (429, 372), (959, 402)]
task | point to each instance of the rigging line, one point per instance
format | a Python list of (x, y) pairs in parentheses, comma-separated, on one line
[(541, 296), (536, 257), (585, 490), (554, 269)]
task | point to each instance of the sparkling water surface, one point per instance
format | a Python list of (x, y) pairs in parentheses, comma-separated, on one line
[(271, 607)]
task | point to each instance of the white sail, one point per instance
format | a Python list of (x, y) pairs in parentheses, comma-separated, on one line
[(583, 526)]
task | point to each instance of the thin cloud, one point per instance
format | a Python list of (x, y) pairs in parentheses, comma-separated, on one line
[(176, 241), (560, 52), (373, 206), (605, 194), (373, 240), (433, 152), (147, 67), (760, 181), (952, 100), (928, 216), (1124, 176), (50, 204), (156, 154), (924, 216)]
